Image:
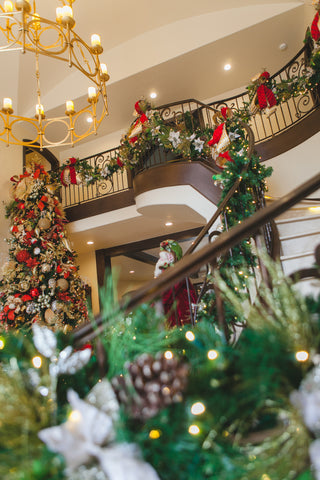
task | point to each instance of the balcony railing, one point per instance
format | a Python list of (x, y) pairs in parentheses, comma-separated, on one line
[(194, 115), (288, 113), (73, 195)]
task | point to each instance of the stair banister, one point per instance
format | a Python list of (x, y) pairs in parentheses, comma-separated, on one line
[(187, 265)]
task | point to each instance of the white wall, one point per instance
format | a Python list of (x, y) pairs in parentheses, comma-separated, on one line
[(293, 167)]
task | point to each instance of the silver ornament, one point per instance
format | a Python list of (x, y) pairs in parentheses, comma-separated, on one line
[(31, 308), (56, 306), (45, 267), (36, 251)]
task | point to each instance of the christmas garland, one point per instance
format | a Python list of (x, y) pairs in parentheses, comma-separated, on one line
[(175, 404)]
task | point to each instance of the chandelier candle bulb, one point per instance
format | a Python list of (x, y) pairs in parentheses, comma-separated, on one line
[(39, 110), (8, 6), (7, 104), (59, 14), (67, 16), (69, 106), (66, 11), (95, 40), (96, 44), (92, 94), (104, 72)]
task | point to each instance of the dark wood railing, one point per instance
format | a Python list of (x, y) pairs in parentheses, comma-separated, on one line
[(208, 254), (288, 113)]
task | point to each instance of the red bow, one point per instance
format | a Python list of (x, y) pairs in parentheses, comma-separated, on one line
[(315, 32), (39, 169), (72, 171)]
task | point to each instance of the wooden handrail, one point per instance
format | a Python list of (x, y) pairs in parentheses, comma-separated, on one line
[(191, 263)]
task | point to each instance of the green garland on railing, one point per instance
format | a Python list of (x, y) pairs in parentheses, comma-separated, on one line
[(236, 415)]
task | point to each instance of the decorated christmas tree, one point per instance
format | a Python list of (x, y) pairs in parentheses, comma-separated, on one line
[(40, 281)]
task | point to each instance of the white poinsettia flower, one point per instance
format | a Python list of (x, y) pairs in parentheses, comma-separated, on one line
[(174, 138), (88, 435), (198, 144), (314, 452), (233, 136)]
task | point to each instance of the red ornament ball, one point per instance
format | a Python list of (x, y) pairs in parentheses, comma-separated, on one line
[(22, 256), (35, 292)]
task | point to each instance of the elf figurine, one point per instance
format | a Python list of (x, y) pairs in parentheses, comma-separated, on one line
[(177, 301), (264, 99), (140, 109), (220, 140)]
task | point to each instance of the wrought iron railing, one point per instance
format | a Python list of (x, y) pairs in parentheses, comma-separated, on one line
[(73, 195), (287, 113), (192, 114), (200, 115)]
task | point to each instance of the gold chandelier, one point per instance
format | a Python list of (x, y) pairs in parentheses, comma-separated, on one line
[(23, 29)]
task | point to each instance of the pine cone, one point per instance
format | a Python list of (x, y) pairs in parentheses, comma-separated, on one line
[(150, 384)]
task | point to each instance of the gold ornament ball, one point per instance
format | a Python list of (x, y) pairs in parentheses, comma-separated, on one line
[(63, 284), (44, 223), (49, 316), (45, 267), (19, 318), (24, 285)]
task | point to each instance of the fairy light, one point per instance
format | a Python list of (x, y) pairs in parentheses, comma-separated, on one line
[(37, 362), (198, 408), (2, 343), (194, 430), (168, 355), (265, 477), (190, 336), (212, 354), (154, 434), (302, 356), (74, 416)]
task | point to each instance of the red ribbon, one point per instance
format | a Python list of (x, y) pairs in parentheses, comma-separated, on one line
[(72, 170), (265, 96), (315, 32)]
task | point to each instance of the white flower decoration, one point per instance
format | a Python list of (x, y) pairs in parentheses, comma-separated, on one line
[(174, 138), (198, 144)]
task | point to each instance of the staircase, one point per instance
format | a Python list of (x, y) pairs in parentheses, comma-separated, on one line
[(299, 231)]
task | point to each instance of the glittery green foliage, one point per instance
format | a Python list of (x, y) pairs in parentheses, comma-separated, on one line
[(244, 391)]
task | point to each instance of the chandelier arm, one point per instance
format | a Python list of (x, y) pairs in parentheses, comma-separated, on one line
[(25, 30)]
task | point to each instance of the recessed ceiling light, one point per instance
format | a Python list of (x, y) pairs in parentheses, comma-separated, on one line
[(131, 271), (89, 119), (168, 224), (283, 46), (227, 66), (153, 95), (90, 243)]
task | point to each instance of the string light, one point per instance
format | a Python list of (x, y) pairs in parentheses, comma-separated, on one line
[(75, 416), (198, 408), (168, 355), (2, 343), (190, 336), (302, 356), (154, 434), (37, 362), (194, 430), (212, 354)]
